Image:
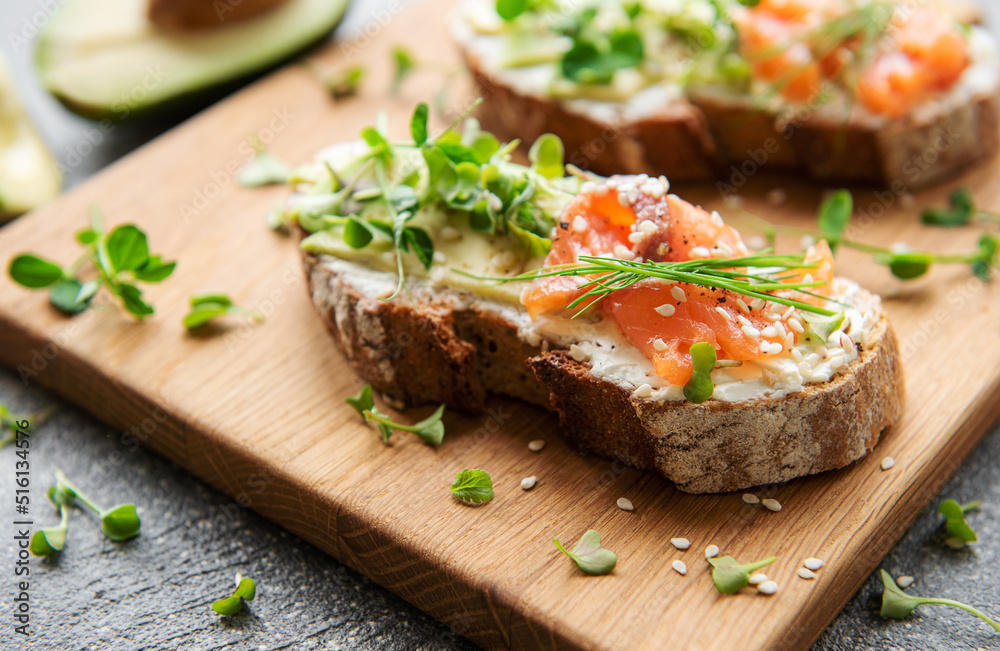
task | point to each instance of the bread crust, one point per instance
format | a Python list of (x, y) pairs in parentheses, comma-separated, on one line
[(708, 137)]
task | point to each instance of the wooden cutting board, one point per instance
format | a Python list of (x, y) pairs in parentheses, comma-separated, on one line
[(258, 410)]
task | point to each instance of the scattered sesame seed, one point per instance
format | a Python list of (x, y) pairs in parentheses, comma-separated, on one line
[(588, 187), (789, 312), (636, 237), (680, 567), (528, 483), (771, 504), (580, 224), (790, 341), (751, 331), (577, 352), (888, 463), (665, 310), (724, 313), (757, 304), (660, 345), (643, 391), (750, 498), (796, 325), (717, 219), (768, 587), (623, 252), (772, 316), (623, 198), (679, 294), (743, 320), (808, 278), (757, 579), (904, 581), (812, 563), (740, 303), (648, 227), (797, 355), (769, 331), (680, 543), (625, 504), (711, 551), (700, 252), (724, 249), (664, 182), (776, 349), (779, 328), (536, 445), (765, 347), (806, 573)]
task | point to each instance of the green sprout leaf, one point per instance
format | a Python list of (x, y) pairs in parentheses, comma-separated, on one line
[(589, 555), (118, 523), (700, 387), (12, 423), (960, 533), (363, 401), (730, 577), (897, 604), (34, 272), (128, 249), (208, 306), (233, 605), (345, 83), (473, 486), (265, 168), (68, 296), (906, 265), (595, 62), (962, 210), (984, 260), (546, 156), (418, 124), (403, 64), (511, 9), (430, 430), (819, 327), (48, 541), (834, 216)]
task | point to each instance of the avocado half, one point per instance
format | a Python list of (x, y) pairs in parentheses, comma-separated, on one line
[(29, 175), (104, 59)]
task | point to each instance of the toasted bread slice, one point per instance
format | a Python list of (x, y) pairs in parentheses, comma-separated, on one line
[(712, 135)]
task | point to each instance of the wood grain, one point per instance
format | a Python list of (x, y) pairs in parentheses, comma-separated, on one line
[(258, 411)]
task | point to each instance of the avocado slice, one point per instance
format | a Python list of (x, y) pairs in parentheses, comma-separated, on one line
[(29, 175), (105, 59)]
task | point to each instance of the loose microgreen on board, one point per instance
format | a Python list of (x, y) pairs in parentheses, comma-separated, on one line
[(473, 486), (208, 306), (403, 63), (589, 556), (897, 604), (961, 211), (344, 83), (265, 168), (429, 430), (121, 259), (230, 606), (729, 576), (960, 534)]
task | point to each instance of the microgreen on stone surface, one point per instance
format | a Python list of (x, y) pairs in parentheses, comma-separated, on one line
[(49, 541), (118, 523), (897, 604), (473, 486), (700, 387), (211, 305), (11, 423), (589, 555), (121, 259), (233, 605), (730, 576), (960, 534), (429, 430)]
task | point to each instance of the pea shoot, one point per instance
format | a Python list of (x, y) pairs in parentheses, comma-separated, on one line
[(10, 422), (344, 83), (208, 306), (700, 387), (230, 606), (961, 211), (121, 259), (960, 534), (897, 604), (264, 168), (430, 430), (473, 486), (118, 523), (49, 541), (589, 556), (730, 576), (404, 64)]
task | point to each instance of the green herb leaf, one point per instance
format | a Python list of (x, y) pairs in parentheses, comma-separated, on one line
[(819, 327), (246, 589), (418, 124), (120, 522), (230, 606), (906, 265), (730, 577), (700, 387), (960, 533), (155, 270), (511, 9), (132, 300), (65, 295), (264, 168), (345, 83), (546, 156), (128, 249), (403, 65), (419, 242), (357, 234), (588, 62), (834, 216), (963, 209), (363, 401), (87, 236), (985, 258), (207, 306), (589, 555), (897, 604), (49, 541), (473, 486), (34, 272)]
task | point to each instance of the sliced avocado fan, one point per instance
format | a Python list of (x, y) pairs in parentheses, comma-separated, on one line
[(105, 59), (28, 174)]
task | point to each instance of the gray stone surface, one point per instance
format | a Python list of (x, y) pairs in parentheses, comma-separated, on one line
[(154, 592)]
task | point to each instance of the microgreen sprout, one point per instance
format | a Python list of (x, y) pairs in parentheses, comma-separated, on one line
[(403, 64), (49, 541), (430, 430), (118, 523), (233, 605), (589, 556), (472, 486), (960, 534), (730, 577), (265, 168), (961, 211), (897, 604), (11, 423), (121, 259), (211, 305), (700, 387), (345, 83)]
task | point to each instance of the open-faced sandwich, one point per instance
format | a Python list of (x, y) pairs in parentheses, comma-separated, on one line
[(447, 272), (893, 92)]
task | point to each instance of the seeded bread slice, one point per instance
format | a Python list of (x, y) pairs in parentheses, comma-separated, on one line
[(718, 136)]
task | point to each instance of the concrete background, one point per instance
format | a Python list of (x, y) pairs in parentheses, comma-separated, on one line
[(154, 592)]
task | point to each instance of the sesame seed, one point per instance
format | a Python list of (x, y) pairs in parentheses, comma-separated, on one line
[(577, 353), (680, 567), (743, 320), (772, 316), (806, 573), (796, 325), (653, 189), (740, 303), (750, 498), (757, 579), (751, 332), (664, 182), (622, 251), (724, 249), (623, 199), (756, 304), (636, 237), (724, 313), (633, 194), (888, 463), (659, 344), (648, 227), (643, 391), (771, 504), (765, 347), (808, 278), (528, 483), (588, 187), (536, 445), (717, 219), (711, 551), (439, 257), (665, 310), (625, 504), (812, 563), (769, 331), (776, 349), (680, 543), (678, 294), (789, 312), (580, 224), (904, 581), (790, 341), (797, 355), (700, 252), (768, 587), (780, 329)]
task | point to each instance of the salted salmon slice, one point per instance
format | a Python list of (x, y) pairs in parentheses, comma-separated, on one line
[(632, 218)]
